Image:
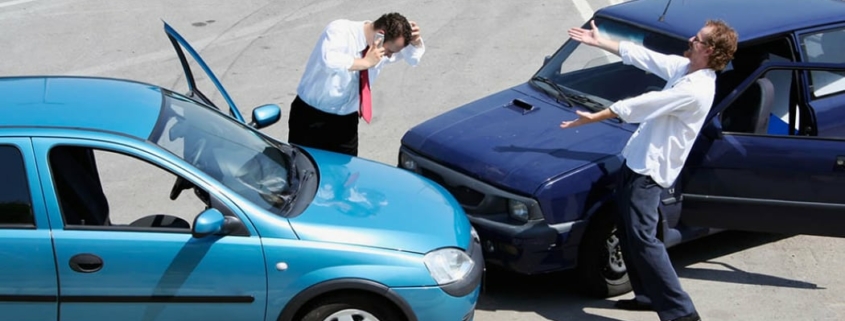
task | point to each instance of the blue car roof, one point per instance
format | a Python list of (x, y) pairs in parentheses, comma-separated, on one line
[(100, 104), (752, 19)]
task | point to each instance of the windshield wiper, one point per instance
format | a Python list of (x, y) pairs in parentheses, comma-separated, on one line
[(560, 92), (291, 196), (586, 101)]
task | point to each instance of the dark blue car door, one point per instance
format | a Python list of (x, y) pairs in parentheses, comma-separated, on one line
[(770, 160), (28, 281)]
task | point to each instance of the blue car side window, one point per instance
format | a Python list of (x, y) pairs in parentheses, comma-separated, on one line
[(827, 46), (105, 189), (15, 201)]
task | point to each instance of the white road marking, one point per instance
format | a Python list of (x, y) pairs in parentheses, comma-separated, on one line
[(14, 2), (584, 9)]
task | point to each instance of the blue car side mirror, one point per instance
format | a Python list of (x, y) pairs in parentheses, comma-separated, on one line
[(209, 222), (265, 115)]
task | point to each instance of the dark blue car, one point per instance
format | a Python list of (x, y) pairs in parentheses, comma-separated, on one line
[(771, 156)]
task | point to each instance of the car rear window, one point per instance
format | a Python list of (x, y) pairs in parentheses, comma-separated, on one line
[(15, 201), (827, 46)]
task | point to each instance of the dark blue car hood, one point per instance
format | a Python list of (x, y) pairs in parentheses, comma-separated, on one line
[(492, 140)]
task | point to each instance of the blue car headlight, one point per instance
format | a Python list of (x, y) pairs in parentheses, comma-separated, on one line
[(448, 265)]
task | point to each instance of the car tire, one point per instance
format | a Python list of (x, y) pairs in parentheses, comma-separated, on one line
[(352, 307), (601, 271)]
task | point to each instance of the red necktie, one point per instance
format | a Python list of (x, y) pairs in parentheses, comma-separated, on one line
[(366, 108)]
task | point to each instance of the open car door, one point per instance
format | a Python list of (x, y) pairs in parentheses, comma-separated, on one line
[(193, 91), (761, 177)]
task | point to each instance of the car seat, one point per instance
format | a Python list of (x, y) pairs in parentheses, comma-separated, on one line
[(750, 110)]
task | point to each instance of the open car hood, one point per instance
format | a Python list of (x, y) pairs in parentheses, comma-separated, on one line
[(193, 91)]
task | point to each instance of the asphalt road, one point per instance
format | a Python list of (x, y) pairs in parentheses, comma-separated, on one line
[(258, 49)]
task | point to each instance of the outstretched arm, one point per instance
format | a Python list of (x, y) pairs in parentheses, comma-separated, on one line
[(587, 117), (593, 37)]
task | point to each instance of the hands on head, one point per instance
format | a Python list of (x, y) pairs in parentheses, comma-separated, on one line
[(415, 34)]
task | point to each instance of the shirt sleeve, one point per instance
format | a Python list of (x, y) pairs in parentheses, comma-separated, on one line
[(334, 46), (411, 54), (657, 63), (653, 104)]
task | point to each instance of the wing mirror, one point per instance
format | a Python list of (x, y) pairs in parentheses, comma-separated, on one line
[(212, 221), (265, 115), (209, 222), (546, 60)]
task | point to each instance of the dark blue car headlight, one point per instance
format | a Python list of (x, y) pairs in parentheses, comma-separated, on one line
[(407, 162), (448, 265), (518, 210)]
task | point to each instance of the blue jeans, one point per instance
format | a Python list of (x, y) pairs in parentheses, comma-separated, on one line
[(652, 275)]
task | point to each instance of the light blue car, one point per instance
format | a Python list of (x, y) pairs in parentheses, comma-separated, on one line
[(121, 200)]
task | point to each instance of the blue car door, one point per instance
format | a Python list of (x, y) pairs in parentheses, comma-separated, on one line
[(125, 247), (773, 160), (28, 284)]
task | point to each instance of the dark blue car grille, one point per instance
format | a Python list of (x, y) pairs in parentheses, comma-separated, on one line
[(465, 195)]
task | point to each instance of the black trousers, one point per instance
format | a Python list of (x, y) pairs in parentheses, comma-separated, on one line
[(311, 127), (652, 275)]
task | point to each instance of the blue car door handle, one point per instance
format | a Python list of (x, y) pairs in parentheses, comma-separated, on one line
[(86, 263), (840, 163)]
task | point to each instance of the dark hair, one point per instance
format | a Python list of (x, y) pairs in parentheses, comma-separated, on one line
[(723, 39), (394, 25)]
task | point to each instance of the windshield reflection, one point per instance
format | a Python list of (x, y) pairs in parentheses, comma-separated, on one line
[(339, 189), (244, 161)]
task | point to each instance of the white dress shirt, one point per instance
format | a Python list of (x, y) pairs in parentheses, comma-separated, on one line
[(669, 119), (327, 83)]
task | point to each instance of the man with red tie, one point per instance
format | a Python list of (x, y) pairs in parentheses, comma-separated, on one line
[(334, 91)]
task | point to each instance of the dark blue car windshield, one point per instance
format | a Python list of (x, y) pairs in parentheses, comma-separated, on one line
[(225, 149), (596, 75)]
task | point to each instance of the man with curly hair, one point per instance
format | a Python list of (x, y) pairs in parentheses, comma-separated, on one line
[(669, 122), (334, 91)]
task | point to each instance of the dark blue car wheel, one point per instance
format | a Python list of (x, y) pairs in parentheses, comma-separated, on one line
[(601, 270)]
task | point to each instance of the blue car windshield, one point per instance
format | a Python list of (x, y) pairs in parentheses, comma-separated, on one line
[(237, 156), (596, 78)]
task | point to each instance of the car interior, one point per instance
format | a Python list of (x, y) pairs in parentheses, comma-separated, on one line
[(769, 105), (80, 192)]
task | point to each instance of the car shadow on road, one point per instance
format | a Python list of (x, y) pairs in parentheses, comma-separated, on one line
[(546, 295), (709, 248), (549, 296)]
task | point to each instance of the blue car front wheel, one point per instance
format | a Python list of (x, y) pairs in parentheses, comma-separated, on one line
[(352, 307)]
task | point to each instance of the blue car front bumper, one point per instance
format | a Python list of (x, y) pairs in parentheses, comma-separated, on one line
[(432, 303)]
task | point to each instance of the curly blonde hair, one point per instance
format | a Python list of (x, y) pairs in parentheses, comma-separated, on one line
[(723, 39)]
